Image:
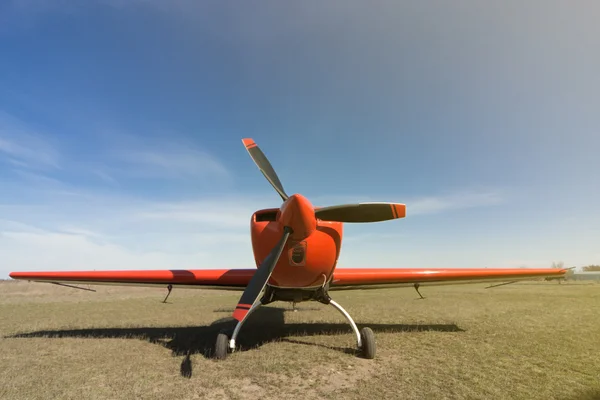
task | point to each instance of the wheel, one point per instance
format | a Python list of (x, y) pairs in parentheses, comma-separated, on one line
[(368, 343), (221, 346)]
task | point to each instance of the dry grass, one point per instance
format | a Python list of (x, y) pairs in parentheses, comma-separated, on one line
[(522, 341)]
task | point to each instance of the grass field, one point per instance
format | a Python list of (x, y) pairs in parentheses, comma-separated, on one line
[(537, 340)]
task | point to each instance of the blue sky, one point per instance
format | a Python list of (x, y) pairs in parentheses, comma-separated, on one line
[(121, 126)]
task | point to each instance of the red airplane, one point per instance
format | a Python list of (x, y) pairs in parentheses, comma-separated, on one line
[(296, 248)]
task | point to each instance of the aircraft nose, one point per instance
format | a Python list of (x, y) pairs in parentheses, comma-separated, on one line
[(299, 214)]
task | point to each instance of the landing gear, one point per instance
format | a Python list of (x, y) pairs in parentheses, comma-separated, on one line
[(221, 346), (368, 343), (224, 344), (416, 286), (365, 338), (169, 288)]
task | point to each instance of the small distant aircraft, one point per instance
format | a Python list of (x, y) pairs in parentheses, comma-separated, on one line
[(296, 248)]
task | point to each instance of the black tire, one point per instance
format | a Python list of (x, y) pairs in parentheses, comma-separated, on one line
[(221, 346), (368, 343)]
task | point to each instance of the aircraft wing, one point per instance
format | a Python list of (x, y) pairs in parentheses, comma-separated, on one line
[(238, 279), (374, 278), (224, 279)]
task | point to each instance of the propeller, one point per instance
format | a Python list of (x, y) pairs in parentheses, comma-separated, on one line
[(260, 278), (362, 212), (265, 166)]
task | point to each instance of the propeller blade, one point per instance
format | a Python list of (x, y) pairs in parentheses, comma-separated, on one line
[(265, 166), (260, 278), (362, 212)]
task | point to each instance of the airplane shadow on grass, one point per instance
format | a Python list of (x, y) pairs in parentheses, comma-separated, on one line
[(266, 325)]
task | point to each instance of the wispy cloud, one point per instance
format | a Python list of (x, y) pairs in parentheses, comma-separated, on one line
[(158, 155), (173, 162), (118, 156), (458, 200), (104, 176), (522, 263), (226, 213), (24, 247), (431, 204), (38, 178), (94, 230), (23, 146), (24, 250)]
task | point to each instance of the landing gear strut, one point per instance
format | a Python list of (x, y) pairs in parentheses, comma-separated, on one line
[(416, 286), (365, 338), (169, 288)]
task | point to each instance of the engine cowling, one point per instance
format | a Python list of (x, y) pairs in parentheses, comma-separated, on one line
[(308, 262)]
